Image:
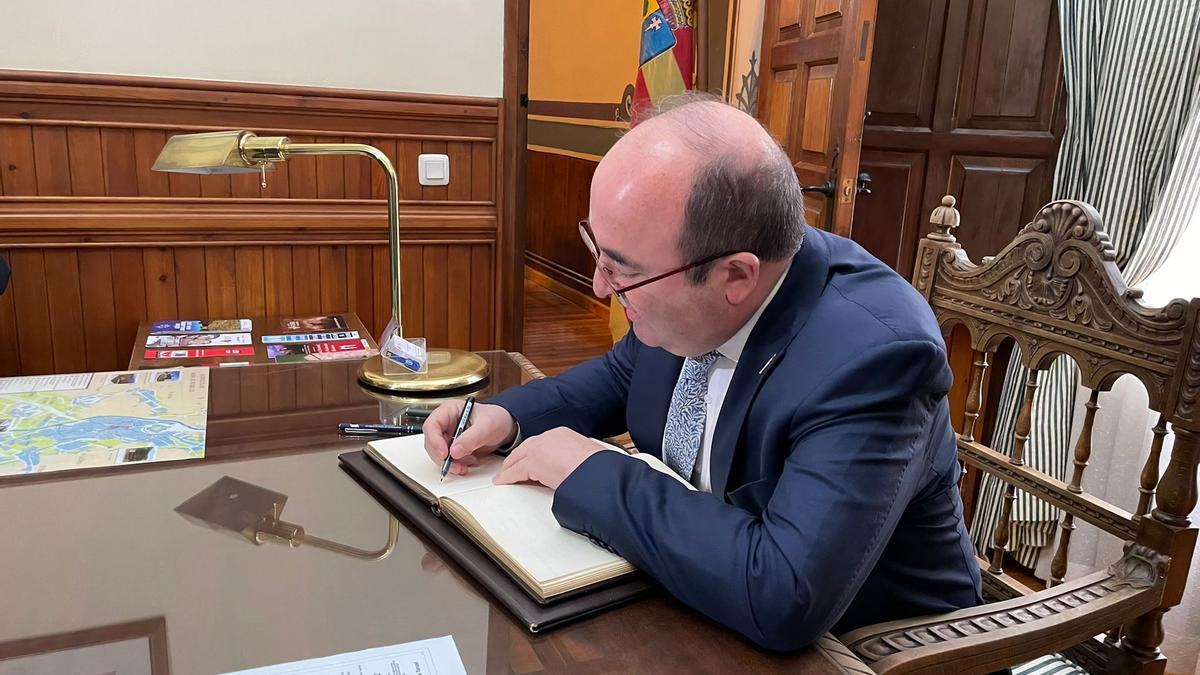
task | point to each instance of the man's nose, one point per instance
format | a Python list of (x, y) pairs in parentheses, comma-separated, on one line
[(599, 286)]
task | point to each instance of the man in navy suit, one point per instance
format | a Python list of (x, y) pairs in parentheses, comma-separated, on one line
[(797, 382)]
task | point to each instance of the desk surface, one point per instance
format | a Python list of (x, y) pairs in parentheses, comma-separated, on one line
[(106, 547)]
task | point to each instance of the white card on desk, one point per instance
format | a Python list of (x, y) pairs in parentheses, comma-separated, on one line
[(423, 657)]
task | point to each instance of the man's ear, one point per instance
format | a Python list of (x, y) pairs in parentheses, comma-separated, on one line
[(741, 272)]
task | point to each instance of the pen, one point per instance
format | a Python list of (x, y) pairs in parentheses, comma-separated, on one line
[(418, 412), (351, 429), (462, 426)]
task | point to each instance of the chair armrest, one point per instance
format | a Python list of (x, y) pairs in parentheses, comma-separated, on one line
[(990, 637), (837, 658)]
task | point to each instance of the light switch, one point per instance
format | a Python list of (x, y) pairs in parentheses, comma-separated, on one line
[(433, 169)]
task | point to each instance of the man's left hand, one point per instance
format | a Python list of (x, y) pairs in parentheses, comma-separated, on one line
[(547, 458)]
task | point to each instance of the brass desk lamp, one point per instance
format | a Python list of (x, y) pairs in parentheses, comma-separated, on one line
[(225, 152)]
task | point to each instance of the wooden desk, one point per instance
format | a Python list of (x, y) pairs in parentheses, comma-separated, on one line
[(269, 325), (105, 547)]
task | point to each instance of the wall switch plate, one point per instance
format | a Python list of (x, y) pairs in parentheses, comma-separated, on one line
[(433, 169)]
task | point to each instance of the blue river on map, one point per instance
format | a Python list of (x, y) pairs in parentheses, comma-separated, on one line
[(81, 435)]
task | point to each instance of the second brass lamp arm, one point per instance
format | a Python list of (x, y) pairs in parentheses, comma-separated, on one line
[(263, 149)]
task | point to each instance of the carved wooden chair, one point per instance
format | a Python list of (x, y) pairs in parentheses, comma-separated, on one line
[(1056, 290)]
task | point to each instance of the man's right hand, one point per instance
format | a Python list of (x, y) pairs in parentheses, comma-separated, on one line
[(490, 428)]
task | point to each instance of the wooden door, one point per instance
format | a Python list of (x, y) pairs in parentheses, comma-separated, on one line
[(816, 61)]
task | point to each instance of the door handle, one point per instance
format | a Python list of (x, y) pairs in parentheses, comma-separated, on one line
[(864, 183), (825, 188)]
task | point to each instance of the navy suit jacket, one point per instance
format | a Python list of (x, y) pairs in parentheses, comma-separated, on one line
[(834, 500)]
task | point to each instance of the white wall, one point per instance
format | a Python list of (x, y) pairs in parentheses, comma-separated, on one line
[(428, 46)]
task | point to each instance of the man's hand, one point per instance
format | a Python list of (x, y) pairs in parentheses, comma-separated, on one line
[(547, 459), (490, 427)]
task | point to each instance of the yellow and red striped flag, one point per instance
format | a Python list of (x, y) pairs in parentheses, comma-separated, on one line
[(666, 66)]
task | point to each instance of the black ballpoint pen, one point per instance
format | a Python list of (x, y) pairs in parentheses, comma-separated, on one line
[(462, 426), (351, 429)]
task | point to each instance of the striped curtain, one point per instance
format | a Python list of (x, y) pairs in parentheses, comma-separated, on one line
[(1130, 70)]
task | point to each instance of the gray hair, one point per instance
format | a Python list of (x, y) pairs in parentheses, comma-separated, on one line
[(736, 202)]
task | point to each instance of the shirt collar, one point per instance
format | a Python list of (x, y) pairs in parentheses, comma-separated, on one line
[(732, 348)]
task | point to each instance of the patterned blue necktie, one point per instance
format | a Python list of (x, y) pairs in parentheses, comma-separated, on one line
[(685, 419)]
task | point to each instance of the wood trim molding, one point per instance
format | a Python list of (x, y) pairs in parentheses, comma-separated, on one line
[(510, 306), (187, 93), (73, 221)]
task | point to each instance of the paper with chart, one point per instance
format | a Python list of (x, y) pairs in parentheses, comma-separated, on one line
[(437, 656), (57, 422)]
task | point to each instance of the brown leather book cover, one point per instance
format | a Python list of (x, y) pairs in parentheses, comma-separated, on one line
[(477, 565)]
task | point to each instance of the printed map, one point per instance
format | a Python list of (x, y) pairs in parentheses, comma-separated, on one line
[(56, 422)]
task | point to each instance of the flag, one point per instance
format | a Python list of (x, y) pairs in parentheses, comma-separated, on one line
[(666, 66)]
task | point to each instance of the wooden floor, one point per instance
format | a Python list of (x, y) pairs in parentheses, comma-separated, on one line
[(558, 333)]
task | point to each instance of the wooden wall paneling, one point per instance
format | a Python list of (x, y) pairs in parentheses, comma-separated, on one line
[(481, 172), (90, 140), (281, 387), (357, 174), (331, 171), (461, 305), (378, 184), (483, 298), (216, 186), (461, 179), (333, 279), (407, 153), (161, 291), (129, 298), (559, 192), (18, 175), (34, 331), (99, 310), (245, 185), (225, 395), (120, 162), (10, 354), (306, 280), (434, 192), (255, 389), (277, 280), (335, 383), (279, 181), (360, 284), (220, 266), (412, 288), (66, 310), (437, 306), (86, 161), (147, 143), (250, 281), (52, 161), (191, 284), (302, 173)]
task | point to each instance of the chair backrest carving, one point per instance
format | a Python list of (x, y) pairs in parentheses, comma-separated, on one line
[(1055, 290)]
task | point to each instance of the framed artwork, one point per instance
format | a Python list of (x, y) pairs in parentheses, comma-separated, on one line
[(132, 648)]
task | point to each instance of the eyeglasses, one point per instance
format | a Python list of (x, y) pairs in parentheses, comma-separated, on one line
[(589, 240)]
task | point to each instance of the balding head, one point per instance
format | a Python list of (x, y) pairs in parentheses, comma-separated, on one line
[(713, 169)]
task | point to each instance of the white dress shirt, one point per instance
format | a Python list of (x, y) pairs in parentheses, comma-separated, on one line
[(719, 377)]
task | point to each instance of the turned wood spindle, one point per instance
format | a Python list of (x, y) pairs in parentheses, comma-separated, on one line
[(1149, 480), (974, 396)]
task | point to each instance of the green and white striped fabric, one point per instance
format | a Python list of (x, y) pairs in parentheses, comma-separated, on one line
[(1132, 72), (1051, 664)]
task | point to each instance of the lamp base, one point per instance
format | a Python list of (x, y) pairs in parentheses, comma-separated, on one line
[(448, 369)]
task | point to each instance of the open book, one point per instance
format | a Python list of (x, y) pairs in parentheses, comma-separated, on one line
[(513, 524)]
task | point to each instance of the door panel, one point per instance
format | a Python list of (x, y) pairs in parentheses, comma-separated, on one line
[(816, 59)]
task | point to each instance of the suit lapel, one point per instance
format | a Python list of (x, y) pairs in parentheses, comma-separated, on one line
[(776, 327)]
